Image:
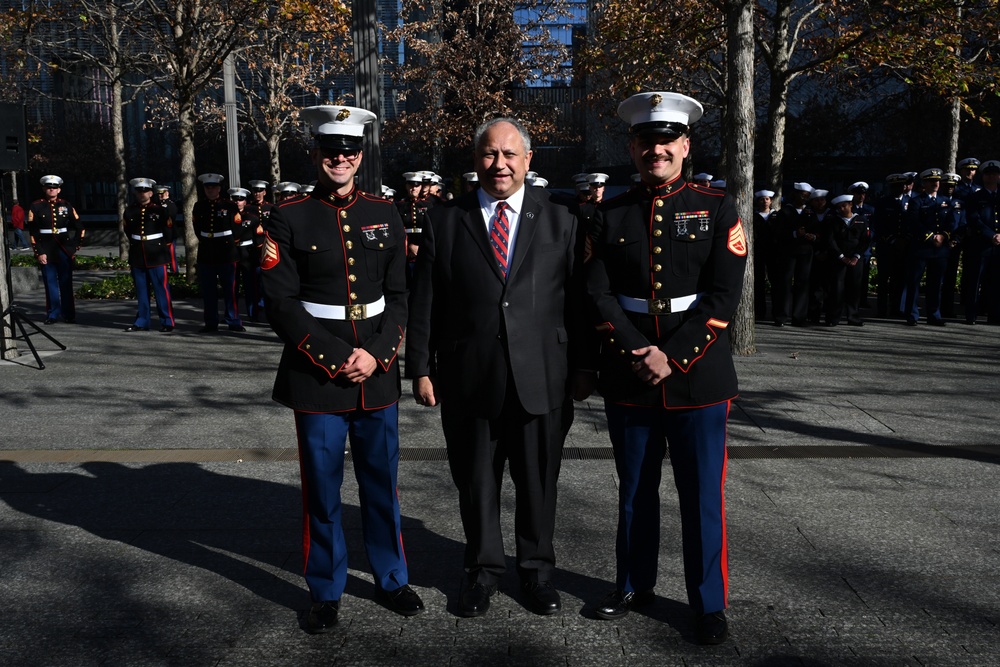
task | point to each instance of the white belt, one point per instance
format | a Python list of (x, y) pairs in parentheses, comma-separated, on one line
[(414, 230), (209, 235), (147, 237), (61, 230), (250, 242), (658, 306), (359, 311)]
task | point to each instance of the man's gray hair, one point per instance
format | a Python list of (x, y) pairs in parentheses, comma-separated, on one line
[(482, 129)]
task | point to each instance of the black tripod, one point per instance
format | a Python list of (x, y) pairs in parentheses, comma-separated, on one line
[(16, 314)]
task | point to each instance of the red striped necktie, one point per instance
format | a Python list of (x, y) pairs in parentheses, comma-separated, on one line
[(500, 236)]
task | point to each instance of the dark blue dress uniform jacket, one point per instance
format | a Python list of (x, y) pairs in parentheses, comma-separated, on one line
[(55, 214), (676, 240), (144, 221), (215, 218), (340, 251)]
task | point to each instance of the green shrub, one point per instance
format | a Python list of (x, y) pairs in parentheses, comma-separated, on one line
[(83, 262), (120, 286)]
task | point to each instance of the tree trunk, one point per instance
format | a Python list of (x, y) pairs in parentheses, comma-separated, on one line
[(121, 170), (189, 181), (740, 119), (954, 128), (273, 144), (777, 110)]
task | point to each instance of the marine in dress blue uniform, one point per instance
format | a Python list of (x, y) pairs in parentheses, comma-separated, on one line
[(665, 277), (150, 232), (56, 235), (930, 221), (335, 293), (217, 224), (259, 208)]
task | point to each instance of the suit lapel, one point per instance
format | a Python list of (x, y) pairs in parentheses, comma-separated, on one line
[(474, 225), (531, 209)]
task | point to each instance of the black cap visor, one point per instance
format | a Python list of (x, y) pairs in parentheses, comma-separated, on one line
[(338, 142), (661, 127)]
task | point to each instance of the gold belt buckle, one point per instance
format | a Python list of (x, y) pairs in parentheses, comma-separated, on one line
[(357, 312), (144, 238), (659, 306)]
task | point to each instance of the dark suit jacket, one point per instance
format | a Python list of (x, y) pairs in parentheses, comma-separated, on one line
[(467, 324)]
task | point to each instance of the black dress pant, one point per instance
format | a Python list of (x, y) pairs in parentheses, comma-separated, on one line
[(477, 450)]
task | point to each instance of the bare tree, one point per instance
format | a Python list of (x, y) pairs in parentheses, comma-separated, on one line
[(190, 41)]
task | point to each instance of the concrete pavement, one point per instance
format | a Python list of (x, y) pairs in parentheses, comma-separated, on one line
[(150, 512)]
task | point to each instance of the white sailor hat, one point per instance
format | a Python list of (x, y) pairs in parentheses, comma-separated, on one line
[(582, 186), (259, 185), (286, 187), (306, 188), (211, 179), (471, 177), (659, 112), (720, 184), (802, 187), (840, 199), (968, 162), (702, 176), (52, 180), (336, 126), (858, 185), (597, 179), (990, 165), (819, 194), (581, 178), (528, 175), (540, 182), (387, 191), (932, 174), (238, 192), (764, 193), (143, 183)]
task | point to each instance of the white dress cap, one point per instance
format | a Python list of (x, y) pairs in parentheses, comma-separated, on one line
[(661, 112), (51, 179), (597, 179), (239, 192), (142, 183), (211, 179)]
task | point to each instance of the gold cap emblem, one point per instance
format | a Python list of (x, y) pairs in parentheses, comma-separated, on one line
[(343, 114), (655, 100)]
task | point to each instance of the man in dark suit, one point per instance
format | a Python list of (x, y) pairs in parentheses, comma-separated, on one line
[(492, 316)]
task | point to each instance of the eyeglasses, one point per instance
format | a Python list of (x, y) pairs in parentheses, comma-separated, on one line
[(350, 154)]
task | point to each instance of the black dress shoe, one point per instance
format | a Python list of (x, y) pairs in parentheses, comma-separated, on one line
[(237, 328), (712, 628), (617, 604), (50, 320), (135, 328), (475, 600), (543, 598), (322, 616), (208, 329), (404, 601), (910, 322), (936, 323), (166, 328)]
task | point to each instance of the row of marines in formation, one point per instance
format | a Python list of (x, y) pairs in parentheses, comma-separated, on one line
[(815, 257)]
